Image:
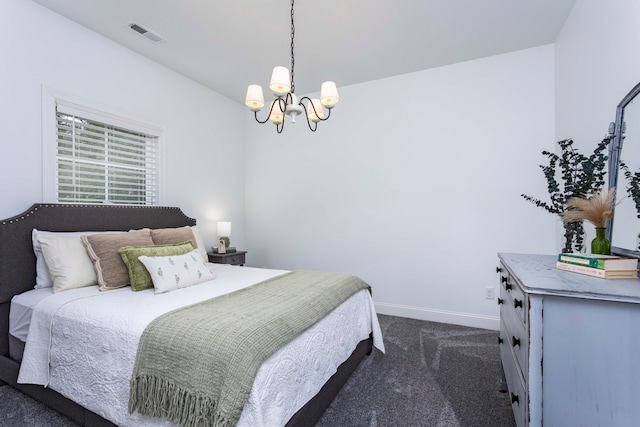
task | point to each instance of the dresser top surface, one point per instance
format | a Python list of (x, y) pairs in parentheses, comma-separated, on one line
[(538, 275)]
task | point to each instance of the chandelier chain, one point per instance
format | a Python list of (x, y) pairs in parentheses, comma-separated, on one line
[(293, 31)]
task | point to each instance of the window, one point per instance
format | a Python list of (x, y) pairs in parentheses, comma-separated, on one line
[(103, 159)]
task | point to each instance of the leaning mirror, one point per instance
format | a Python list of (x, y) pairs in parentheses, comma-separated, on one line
[(624, 157)]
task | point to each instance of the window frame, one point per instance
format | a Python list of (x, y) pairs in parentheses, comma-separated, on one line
[(92, 111)]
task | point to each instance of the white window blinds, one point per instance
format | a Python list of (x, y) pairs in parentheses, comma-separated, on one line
[(102, 162)]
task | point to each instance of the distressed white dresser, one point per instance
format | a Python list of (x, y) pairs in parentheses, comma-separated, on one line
[(570, 344)]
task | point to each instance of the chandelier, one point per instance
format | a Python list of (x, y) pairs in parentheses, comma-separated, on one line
[(286, 102)]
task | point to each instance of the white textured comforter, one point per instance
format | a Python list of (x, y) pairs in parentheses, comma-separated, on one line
[(82, 343)]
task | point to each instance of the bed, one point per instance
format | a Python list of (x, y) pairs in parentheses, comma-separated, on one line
[(18, 276)]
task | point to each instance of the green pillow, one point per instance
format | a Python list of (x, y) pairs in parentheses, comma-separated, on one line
[(138, 275)]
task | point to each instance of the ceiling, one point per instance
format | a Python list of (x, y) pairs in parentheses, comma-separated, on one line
[(226, 45)]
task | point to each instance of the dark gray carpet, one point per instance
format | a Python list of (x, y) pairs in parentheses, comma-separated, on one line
[(433, 374)]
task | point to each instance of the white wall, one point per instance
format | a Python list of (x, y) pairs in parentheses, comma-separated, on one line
[(204, 137), (413, 184), (596, 65)]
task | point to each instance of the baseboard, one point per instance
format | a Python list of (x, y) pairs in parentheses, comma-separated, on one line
[(442, 316)]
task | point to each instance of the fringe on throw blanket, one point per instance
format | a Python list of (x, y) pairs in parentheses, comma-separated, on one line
[(165, 399)]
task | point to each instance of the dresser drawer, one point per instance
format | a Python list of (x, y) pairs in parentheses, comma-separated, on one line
[(515, 381), (512, 295), (234, 258), (516, 336)]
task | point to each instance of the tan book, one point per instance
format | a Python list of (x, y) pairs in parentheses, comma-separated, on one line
[(596, 272)]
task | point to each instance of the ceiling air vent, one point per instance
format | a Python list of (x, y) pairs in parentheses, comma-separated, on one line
[(155, 37)]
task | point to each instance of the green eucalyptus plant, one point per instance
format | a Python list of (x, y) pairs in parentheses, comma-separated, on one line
[(633, 187), (572, 174)]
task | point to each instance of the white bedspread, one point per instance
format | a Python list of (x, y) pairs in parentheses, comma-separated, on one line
[(82, 343)]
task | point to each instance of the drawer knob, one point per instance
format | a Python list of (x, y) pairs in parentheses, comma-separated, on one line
[(500, 301), (498, 270), (503, 279), (517, 303), (508, 286), (500, 340), (515, 398), (515, 341)]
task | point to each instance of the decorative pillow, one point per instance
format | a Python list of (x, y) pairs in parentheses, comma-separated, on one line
[(67, 261), (138, 275), (103, 250), (43, 278), (166, 236), (173, 272)]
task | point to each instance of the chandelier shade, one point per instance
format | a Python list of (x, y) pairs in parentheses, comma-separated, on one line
[(329, 94), (255, 98), (276, 115), (315, 112), (286, 103), (280, 81)]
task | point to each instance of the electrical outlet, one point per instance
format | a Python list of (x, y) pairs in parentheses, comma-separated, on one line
[(489, 292)]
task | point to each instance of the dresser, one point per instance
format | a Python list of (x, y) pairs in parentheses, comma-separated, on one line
[(569, 343)]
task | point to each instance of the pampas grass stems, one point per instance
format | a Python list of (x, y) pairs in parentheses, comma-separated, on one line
[(597, 210)]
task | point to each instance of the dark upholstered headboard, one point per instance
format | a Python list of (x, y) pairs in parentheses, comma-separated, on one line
[(18, 262)]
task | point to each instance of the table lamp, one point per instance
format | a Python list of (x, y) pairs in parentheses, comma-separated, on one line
[(224, 231)]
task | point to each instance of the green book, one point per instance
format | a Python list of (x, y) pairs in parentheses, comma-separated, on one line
[(602, 262)]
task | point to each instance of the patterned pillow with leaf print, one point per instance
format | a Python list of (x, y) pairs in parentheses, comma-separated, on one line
[(173, 272), (139, 277)]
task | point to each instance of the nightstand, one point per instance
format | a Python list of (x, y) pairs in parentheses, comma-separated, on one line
[(234, 258)]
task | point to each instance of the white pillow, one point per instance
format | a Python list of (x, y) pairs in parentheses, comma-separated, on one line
[(173, 272), (68, 263), (43, 278), (199, 243)]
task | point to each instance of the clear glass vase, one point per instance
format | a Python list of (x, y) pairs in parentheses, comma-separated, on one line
[(600, 245)]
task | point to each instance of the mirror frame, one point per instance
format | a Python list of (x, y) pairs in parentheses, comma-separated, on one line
[(617, 129)]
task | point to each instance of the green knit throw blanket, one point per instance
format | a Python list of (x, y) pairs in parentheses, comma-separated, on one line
[(195, 365)]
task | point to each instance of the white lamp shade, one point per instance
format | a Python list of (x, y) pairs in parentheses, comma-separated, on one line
[(224, 229), (329, 94), (254, 99), (316, 115), (280, 81), (277, 115)]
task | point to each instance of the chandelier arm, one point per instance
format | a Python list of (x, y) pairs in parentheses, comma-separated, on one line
[(314, 110), (282, 103), (313, 129), (268, 115)]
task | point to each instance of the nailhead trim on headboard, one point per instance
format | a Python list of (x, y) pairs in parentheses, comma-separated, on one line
[(34, 208)]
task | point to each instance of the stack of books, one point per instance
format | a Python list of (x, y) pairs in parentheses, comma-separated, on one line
[(604, 266), (229, 250)]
